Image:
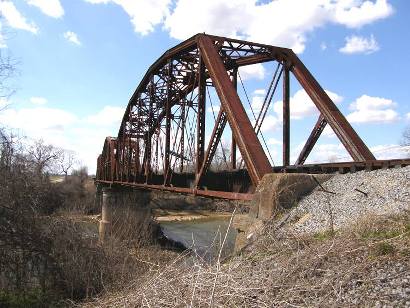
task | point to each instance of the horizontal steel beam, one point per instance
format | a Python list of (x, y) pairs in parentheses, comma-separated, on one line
[(199, 192), (352, 166)]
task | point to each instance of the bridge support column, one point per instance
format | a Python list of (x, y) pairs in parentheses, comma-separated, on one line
[(106, 213)]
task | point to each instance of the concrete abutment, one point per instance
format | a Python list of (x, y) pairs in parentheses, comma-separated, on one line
[(277, 192)]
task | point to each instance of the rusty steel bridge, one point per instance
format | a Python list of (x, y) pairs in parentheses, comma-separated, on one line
[(161, 143)]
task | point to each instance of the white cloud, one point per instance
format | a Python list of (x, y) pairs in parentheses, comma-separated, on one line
[(107, 116), (282, 22), (38, 100), (88, 142), (214, 109), (259, 92), (144, 14), (15, 19), (271, 123), (366, 102), (355, 14), (257, 102), (256, 71), (274, 141), (337, 152), (64, 129), (3, 103), (368, 109), (52, 8), (357, 44), (322, 153), (302, 106), (98, 1), (2, 38), (72, 37), (323, 46), (328, 132), (390, 151), (408, 116), (37, 120)]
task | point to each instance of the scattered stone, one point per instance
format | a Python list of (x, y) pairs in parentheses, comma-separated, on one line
[(355, 195)]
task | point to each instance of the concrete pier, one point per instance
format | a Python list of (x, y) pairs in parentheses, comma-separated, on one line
[(105, 226)]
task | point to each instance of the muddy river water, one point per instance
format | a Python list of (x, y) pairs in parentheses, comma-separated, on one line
[(203, 236)]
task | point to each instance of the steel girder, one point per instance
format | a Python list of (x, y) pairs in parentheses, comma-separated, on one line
[(162, 132)]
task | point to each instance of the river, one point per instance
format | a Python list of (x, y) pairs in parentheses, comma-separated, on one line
[(203, 236)]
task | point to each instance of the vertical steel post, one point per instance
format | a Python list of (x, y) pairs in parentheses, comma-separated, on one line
[(148, 137), (129, 166), (118, 157), (168, 126), (200, 141), (113, 160), (137, 149), (286, 116), (233, 142), (181, 164)]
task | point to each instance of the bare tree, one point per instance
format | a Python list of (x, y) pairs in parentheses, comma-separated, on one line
[(405, 141), (8, 67), (221, 158), (44, 156), (81, 173), (7, 71), (66, 161)]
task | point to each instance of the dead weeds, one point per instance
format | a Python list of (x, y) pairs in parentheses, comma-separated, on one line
[(364, 264)]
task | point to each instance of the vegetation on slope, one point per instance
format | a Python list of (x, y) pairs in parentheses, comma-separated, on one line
[(48, 256), (363, 264)]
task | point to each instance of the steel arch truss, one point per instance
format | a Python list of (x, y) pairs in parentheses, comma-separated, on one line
[(161, 143)]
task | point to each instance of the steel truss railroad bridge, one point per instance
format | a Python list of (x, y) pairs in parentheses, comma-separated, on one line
[(161, 143)]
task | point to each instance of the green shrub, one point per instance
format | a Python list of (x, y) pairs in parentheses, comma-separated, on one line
[(33, 298), (383, 248)]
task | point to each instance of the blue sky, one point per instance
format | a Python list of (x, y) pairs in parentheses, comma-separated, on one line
[(80, 61)]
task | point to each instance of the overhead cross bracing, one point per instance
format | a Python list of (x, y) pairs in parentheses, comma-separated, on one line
[(162, 142)]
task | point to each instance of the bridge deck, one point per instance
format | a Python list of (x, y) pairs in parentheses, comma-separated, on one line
[(323, 168)]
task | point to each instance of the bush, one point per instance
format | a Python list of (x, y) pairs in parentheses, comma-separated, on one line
[(78, 192), (34, 298), (42, 254)]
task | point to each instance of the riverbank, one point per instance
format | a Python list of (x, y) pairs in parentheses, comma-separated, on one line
[(161, 215)]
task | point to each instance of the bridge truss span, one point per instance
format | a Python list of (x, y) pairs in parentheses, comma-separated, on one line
[(166, 142)]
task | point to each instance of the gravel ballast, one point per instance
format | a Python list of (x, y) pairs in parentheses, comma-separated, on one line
[(352, 196)]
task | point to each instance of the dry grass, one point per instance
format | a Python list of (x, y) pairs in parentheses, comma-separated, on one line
[(361, 265)]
